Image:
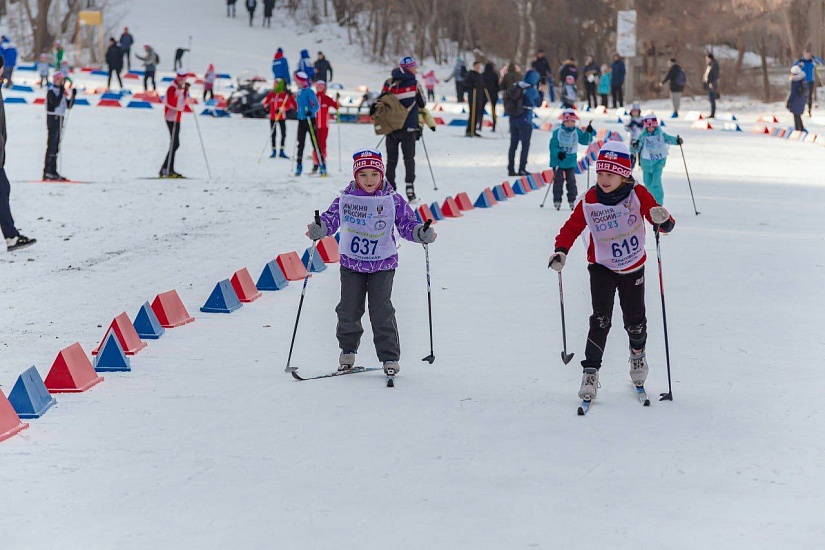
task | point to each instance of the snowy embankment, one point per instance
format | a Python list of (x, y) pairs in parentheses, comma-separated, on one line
[(207, 442)]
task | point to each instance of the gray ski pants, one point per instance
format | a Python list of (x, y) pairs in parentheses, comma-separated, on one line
[(355, 287)]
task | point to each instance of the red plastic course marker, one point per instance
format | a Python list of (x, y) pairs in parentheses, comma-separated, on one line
[(463, 201), (108, 103), (244, 286), (450, 209), (508, 189), (126, 334), (292, 266), (328, 250), (9, 421), (170, 310), (71, 372)]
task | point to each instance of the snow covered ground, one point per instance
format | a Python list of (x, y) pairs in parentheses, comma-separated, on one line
[(207, 442)]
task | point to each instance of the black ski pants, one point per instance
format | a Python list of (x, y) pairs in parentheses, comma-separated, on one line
[(618, 95), (355, 287), (174, 143), (6, 220), (54, 126), (307, 127), (406, 140), (109, 80), (147, 76), (559, 176), (603, 286), (590, 90), (274, 133)]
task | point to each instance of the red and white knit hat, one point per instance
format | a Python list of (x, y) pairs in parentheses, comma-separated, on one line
[(321, 85), (614, 157), (301, 79), (651, 121), (569, 114), (367, 158)]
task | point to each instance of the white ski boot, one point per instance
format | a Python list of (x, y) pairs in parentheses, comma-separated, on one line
[(391, 368), (638, 367), (346, 361), (590, 384)]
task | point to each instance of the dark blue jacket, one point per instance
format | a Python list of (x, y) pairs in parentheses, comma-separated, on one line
[(798, 97), (405, 87), (618, 73), (306, 65), (532, 99)]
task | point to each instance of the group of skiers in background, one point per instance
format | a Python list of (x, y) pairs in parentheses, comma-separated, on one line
[(251, 6)]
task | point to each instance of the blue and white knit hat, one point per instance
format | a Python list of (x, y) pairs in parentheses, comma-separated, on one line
[(407, 62)]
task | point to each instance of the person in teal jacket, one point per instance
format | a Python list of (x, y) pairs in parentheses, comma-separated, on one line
[(604, 84), (564, 146), (653, 148)]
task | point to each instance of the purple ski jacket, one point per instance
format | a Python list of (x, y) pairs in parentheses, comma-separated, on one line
[(405, 223)]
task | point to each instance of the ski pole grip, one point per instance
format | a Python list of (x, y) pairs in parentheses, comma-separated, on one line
[(427, 224), (318, 218)]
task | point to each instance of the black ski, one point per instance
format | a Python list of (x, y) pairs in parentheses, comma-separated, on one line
[(354, 370)]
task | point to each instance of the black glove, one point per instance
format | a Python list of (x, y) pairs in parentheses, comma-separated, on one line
[(679, 140), (635, 144), (589, 128), (74, 92), (561, 156)]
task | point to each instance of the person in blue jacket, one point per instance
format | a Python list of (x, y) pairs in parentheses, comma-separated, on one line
[(653, 148), (306, 65), (521, 123), (617, 75), (307, 108), (808, 64), (797, 97), (280, 67), (9, 52), (564, 146)]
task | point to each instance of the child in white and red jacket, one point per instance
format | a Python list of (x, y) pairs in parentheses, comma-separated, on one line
[(614, 211), (368, 213)]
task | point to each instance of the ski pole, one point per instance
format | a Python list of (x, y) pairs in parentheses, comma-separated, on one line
[(203, 147), (338, 123), (64, 125), (303, 292), (427, 154), (380, 141), (669, 395), (565, 357), (431, 357), (315, 144), (293, 160), (688, 178), (549, 185)]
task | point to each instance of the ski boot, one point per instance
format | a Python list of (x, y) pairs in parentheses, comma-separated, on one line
[(391, 368), (323, 170), (511, 173), (282, 155), (315, 168), (557, 205), (346, 361), (638, 367), (298, 169), (590, 384), (410, 193), (523, 172), (572, 205), (274, 153)]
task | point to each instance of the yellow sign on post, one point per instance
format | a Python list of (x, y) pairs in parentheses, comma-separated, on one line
[(90, 18)]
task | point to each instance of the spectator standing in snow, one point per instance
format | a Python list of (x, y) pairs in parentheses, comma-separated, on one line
[(230, 7), (9, 53), (179, 58), (475, 97), (280, 67), (269, 5), (521, 121), (323, 70), (604, 84), (677, 78), (150, 63), (511, 76), (458, 74), (797, 97), (808, 64), (209, 78), (711, 82), (542, 66), (490, 81), (250, 7), (404, 85), (114, 59), (59, 52), (617, 76), (14, 239), (305, 65), (591, 81), (125, 43), (57, 105), (174, 105)]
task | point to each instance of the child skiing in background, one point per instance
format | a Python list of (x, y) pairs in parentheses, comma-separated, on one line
[(43, 67), (278, 103), (209, 78), (634, 130), (307, 107), (564, 146), (614, 212), (367, 212), (604, 84), (322, 125), (570, 94), (430, 80), (653, 150)]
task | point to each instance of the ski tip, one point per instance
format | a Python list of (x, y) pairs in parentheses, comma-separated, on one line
[(295, 374), (390, 383), (581, 411), (647, 403)]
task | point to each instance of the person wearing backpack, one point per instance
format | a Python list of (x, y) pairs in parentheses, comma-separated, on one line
[(404, 86), (522, 98), (150, 63), (678, 80)]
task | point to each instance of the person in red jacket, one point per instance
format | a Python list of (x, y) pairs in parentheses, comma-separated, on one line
[(278, 103), (174, 105), (322, 125), (614, 211)]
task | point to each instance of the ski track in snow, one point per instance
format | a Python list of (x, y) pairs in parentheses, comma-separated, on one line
[(207, 442)]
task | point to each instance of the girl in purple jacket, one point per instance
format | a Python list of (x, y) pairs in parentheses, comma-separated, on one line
[(367, 213)]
